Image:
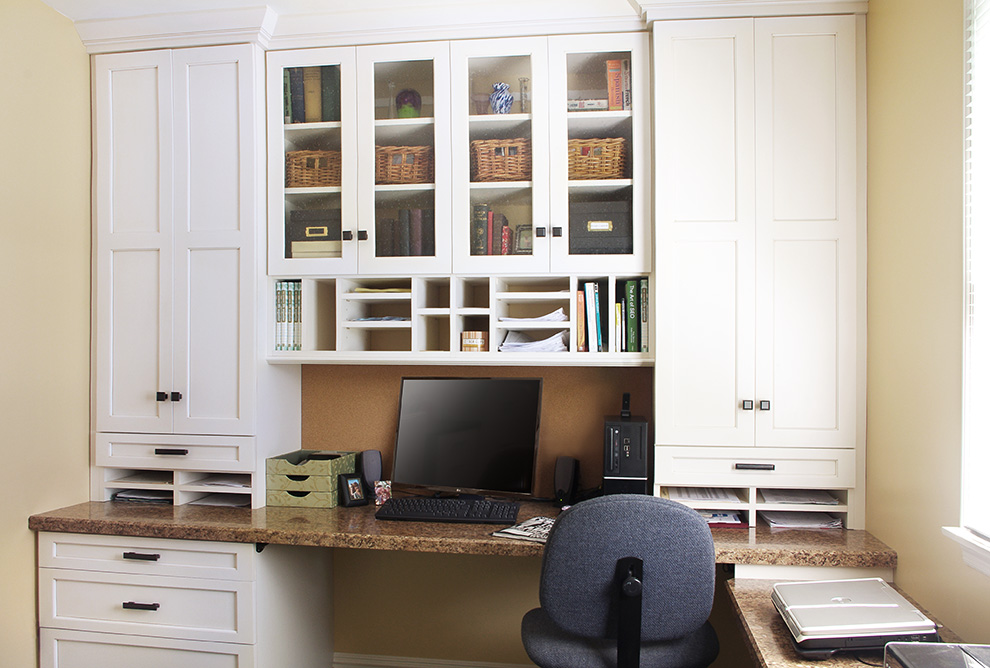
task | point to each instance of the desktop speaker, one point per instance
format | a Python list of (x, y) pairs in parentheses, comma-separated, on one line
[(626, 469), (565, 481), (369, 465)]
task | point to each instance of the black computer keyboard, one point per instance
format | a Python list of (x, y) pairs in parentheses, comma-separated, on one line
[(430, 509)]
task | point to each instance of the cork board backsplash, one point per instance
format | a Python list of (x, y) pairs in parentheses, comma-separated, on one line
[(355, 408)]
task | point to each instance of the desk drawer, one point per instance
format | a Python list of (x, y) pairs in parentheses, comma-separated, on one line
[(756, 467), (82, 649), (177, 452), (187, 608), (147, 556)]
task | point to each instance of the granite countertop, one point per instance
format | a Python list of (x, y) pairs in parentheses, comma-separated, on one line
[(357, 528), (770, 640)]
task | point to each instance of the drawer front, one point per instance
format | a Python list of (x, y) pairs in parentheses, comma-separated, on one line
[(81, 649), (188, 608), (147, 556), (756, 467), (176, 452)]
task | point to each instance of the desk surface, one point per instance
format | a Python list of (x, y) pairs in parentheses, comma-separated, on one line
[(357, 528), (770, 640)]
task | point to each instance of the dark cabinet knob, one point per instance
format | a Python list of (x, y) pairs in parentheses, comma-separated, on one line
[(764, 405), (175, 396), (747, 404), (557, 231), (347, 235), (161, 396), (541, 231), (362, 235)]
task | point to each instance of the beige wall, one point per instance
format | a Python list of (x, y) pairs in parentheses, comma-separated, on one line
[(44, 279), (914, 57)]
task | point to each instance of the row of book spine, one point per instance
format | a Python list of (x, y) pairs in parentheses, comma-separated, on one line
[(411, 234), (288, 315), (631, 333), (311, 94), (619, 84), (491, 233)]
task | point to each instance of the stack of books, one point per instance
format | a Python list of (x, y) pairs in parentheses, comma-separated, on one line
[(410, 235), (288, 315), (311, 94)]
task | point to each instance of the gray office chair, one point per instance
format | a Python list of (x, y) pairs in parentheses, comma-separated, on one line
[(627, 580)]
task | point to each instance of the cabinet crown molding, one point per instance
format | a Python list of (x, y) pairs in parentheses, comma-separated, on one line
[(660, 10), (253, 25)]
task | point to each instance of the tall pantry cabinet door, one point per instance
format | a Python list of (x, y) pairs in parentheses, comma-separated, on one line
[(133, 240), (705, 231), (217, 138), (806, 246)]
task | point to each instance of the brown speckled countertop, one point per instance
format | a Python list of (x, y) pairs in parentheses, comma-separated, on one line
[(770, 639), (357, 528)]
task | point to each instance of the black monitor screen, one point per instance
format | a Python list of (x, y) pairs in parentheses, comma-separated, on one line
[(475, 435)]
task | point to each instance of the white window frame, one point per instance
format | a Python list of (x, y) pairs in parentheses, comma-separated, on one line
[(974, 532)]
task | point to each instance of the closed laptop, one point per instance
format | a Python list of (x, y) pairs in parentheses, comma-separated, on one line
[(861, 613)]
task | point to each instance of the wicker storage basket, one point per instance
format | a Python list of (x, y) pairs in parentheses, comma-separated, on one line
[(596, 158), (312, 169), (403, 164), (501, 160)]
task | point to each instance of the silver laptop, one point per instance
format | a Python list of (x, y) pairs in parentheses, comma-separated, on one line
[(832, 615)]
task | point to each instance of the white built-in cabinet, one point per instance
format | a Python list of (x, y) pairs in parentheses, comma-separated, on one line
[(179, 282), (127, 601), (369, 294), (760, 232)]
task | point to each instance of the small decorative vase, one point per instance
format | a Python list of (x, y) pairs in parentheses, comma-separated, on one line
[(501, 99), (409, 103)]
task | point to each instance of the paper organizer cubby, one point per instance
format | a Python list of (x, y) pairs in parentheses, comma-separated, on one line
[(433, 320)]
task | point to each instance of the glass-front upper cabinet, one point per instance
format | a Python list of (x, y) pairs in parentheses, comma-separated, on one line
[(404, 174), (600, 153), (500, 157), (312, 203)]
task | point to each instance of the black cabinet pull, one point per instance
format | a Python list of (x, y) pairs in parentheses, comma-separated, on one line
[(753, 467), (541, 231), (747, 404), (171, 451), (131, 605), (764, 405), (176, 396), (347, 235), (362, 235), (142, 556), (161, 396), (557, 231)]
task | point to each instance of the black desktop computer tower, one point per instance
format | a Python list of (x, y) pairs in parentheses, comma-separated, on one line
[(627, 460)]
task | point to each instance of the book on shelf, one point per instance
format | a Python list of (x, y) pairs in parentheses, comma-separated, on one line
[(613, 82), (632, 316), (479, 229), (402, 235), (296, 95), (288, 315), (311, 94), (593, 313), (626, 84), (410, 234), (644, 315), (582, 333), (588, 105), (416, 232)]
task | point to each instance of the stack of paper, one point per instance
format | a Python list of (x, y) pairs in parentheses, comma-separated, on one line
[(804, 496), (554, 316), (518, 342), (721, 519), (779, 519), (719, 494)]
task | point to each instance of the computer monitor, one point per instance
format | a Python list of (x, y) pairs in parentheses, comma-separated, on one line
[(468, 435)]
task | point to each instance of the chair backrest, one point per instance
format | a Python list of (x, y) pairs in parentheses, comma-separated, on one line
[(577, 583)]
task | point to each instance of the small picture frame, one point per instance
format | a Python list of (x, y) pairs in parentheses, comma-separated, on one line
[(351, 490), (524, 240)]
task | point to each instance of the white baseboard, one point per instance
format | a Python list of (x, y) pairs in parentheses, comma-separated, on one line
[(344, 660)]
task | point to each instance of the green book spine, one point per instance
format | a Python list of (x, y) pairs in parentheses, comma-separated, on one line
[(479, 229), (330, 80), (644, 315), (286, 95), (632, 316)]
